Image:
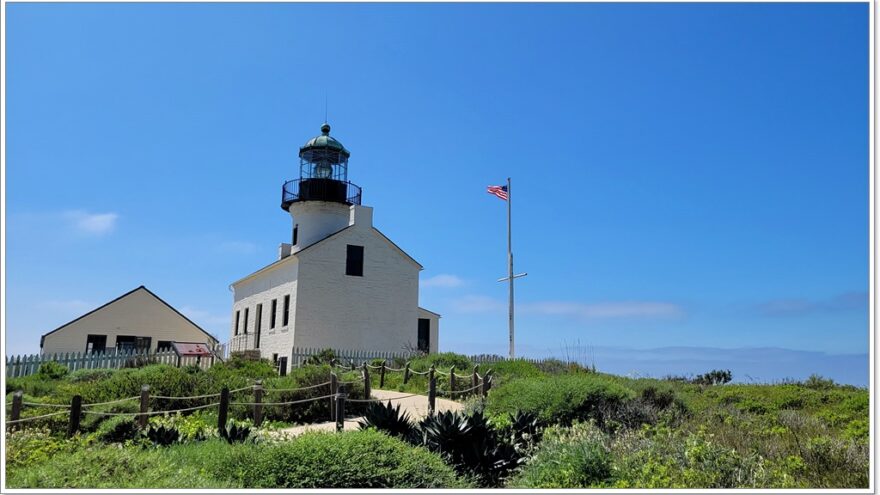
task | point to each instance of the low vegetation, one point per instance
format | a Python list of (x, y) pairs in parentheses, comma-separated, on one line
[(543, 425)]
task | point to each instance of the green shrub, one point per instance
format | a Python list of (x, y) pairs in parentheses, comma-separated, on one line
[(30, 446), (90, 375), (359, 459), (558, 399), (108, 466), (32, 385), (52, 370), (442, 361), (572, 461), (516, 368), (117, 429)]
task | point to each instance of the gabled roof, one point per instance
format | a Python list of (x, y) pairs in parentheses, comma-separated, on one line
[(310, 246), (148, 291), (429, 311)]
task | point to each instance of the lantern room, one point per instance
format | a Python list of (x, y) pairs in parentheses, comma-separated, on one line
[(323, 173)]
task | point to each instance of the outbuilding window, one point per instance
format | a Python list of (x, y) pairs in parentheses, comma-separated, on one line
[(286, 316), (272, 315), (96, 343), (354, 261), (236, 321)]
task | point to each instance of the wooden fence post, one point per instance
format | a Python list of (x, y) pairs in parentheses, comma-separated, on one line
[(16, 409), (452, 379), (382, 374), (224, 409), (476, 379), (406, 373), (486, 383), (145, 405), (340, 408), (75, 412), (333, 391), (258, 398), (367, 388), (432, 393)]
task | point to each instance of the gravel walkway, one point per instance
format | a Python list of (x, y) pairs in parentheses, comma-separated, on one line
[(416, 406)]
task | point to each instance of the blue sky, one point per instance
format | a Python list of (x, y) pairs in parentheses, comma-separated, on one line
[(690, 181)]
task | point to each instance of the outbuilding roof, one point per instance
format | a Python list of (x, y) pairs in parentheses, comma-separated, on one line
[(148, 291)]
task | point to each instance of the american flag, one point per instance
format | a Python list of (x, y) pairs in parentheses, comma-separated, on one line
[(500, 191)]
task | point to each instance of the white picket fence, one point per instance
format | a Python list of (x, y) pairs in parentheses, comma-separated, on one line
[(24, 365)]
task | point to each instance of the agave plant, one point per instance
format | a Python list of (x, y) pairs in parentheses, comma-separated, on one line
[(162, 435), (471, 445), (525, 429), (235, 433), (390, 420)]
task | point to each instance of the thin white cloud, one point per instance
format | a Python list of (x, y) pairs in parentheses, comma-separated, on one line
[(91, 223), (442, 280), (586, 311)]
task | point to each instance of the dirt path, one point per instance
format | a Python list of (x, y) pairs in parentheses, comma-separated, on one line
[(416, 406)]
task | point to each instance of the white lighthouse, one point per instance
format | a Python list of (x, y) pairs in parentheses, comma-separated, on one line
[(339, 283)]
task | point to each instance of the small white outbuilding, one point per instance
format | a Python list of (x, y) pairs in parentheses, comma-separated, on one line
[(137, 320), (340, 283)]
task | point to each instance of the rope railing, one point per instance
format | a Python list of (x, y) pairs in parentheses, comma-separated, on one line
[(453, 392), (14, 421), (298, 389), (282, 403), (151, 413), (171, 397), (39, 404), (111, 401), (373, 399)]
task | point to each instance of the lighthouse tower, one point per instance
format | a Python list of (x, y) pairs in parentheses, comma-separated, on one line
[(339, 283), (320, 200)]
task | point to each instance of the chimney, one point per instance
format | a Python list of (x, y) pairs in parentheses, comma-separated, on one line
[(361, 216), (284, 250)]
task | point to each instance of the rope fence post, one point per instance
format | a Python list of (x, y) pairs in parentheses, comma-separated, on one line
[(16, 408), (432, 393), (406, 373), (476, 377), (382, 374), (258, 398), (340, 408), (487, 379), (452, 379), (75, 412), (145, 405), (368, 390), (333, 392), (224, 409)]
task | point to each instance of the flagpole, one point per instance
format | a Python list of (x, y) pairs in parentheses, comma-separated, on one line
[(510, 265)]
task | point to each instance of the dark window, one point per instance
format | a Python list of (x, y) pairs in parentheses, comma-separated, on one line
[(246, 311), (286, 316), (274, 312), (96, 343), (275, 359), (128, 343), (354, 261), (163, 345), (282, 366), (295, 233), (257, 324), (424, 341), (236, 321)]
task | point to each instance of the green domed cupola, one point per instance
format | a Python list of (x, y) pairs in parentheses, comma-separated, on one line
[(323, 173)]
